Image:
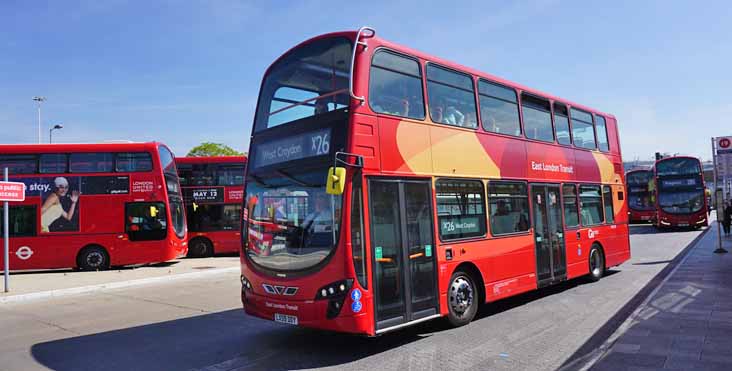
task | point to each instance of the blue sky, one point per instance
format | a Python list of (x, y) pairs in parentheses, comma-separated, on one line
[(184, 72)]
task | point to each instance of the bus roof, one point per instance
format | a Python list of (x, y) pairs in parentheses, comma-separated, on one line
[(677, 157), (211, 159), (78, 147), (443, 62)]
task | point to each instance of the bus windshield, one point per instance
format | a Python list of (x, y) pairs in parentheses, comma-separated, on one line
[(309, 80), (290, 223), (678, 166), (681, 202)]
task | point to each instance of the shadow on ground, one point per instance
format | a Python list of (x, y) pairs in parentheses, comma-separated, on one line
[(231, 340)]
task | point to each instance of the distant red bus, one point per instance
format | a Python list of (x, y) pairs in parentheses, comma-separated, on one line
[(641, 195), (387, 187), (680, 193), (92, 206), (213, 189)]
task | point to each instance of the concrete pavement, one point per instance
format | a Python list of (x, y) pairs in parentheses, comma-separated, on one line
[(36, 285)]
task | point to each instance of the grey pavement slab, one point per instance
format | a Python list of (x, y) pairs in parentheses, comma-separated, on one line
[(687, 321)]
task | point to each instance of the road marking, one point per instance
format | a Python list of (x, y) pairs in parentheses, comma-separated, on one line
[(112, 285)]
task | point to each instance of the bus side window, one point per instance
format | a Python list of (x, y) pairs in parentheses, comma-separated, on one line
[(395, 86)]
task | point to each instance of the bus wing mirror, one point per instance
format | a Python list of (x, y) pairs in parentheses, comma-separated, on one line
[(336, 181)]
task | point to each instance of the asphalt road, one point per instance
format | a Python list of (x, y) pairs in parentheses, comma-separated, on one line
[(199, 325)]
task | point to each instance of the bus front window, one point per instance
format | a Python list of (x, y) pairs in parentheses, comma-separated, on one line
[(291, 224), (310, 80), (681, 202)]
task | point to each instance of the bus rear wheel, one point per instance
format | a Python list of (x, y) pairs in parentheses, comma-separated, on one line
[(200, 248), (462, 299), (597, 263), (93, 258)]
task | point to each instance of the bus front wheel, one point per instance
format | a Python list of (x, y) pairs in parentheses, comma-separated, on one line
[(462, 298), (93, 258), (200, 248)]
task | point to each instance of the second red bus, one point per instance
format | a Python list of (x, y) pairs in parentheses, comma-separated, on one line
[(680, 193)]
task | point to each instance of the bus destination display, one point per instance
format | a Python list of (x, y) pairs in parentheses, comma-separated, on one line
[(315, 143)]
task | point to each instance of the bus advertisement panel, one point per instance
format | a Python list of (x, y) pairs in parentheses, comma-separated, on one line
[(213, 189), (680, 193), (92, 206), (388, 187), (641, 195)]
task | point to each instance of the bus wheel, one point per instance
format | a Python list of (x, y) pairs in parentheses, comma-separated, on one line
[(199, 248), (93, 258), (597, 263), (462, 299)]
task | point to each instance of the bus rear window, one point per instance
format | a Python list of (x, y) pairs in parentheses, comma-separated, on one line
[(91, 163)]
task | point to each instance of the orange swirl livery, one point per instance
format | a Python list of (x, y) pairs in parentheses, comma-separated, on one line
[(387, 187)]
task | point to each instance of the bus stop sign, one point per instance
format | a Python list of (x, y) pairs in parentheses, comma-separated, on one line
[(12, 191)]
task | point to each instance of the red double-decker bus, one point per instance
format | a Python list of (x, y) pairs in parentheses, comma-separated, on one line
[(387, 187), (213, 189), (92, 206), (680, 193), (641, 195)]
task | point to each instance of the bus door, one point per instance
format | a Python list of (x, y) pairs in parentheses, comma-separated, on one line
[(402, 251), (548, 234)]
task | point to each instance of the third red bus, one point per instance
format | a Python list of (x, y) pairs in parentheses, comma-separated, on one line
[(212, 190), (641, 195)]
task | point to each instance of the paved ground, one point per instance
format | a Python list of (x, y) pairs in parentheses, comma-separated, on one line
[(50, 282), (199, 325), (687, 323)]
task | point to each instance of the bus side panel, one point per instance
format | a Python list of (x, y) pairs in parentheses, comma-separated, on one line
[(405, 147), (365, 140)]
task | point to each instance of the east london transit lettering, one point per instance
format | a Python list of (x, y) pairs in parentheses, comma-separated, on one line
[(541, 166)]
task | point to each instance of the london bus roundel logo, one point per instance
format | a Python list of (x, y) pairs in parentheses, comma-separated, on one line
[(724, 143)]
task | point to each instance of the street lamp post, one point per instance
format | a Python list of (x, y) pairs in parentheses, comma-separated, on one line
[(40, 100), (50, 132)]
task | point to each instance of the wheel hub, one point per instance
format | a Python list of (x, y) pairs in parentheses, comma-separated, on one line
[(94, 259), (461, 295)]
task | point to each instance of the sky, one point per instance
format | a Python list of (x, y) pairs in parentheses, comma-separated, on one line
[(186, 72)]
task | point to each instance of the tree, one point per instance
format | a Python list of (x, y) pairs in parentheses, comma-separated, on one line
[(213, 149)]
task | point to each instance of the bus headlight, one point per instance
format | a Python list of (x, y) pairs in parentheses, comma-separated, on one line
[(334, 289), (335, 293)]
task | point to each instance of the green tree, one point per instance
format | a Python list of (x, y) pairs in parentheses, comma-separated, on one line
[(213, 149)]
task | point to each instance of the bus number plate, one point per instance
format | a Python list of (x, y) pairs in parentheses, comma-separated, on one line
[(284, 318), (683, 224)]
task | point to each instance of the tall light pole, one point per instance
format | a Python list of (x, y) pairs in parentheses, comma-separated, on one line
[(50, 132), (39, 100)]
